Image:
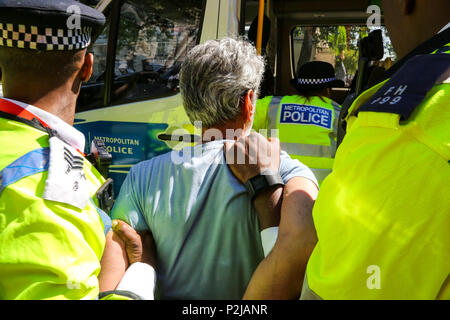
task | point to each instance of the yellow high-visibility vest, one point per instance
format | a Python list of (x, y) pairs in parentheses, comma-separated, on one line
[(383, 215), (48, 249), (307, 129)]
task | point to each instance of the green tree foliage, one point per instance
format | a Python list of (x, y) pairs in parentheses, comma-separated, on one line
[(156, 18), (340, 40)]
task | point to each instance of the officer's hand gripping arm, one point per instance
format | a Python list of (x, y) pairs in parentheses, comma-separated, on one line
[(128, 264)]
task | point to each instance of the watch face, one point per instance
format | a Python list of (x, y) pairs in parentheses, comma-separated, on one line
[(260, 183), (249, 187), (255, 185)]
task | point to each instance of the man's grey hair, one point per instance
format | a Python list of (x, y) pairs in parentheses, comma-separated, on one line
[(216, 76)]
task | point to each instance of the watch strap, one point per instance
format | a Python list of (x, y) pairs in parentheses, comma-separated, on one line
[(262, 182)]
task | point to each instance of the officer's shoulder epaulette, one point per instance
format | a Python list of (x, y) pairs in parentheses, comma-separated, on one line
[(409, 86), (66, 181)]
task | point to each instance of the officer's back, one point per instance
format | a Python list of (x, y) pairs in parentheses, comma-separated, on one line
[(52, 234), (384, 233), (306, 123)]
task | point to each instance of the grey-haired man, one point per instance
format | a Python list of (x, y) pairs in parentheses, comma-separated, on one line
[(204, 222)]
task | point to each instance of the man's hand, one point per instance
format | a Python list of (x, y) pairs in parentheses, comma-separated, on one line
[(140, 247), (252, 155)]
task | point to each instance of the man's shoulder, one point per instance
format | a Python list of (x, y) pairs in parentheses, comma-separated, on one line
[(188, 157), (145, 167), (156, 160), (293, 168)]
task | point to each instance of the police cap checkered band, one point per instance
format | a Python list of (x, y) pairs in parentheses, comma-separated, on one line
[(315, 81), (46, 25), (43, 39)]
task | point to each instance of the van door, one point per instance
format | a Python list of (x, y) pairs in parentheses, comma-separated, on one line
[(133, 96)]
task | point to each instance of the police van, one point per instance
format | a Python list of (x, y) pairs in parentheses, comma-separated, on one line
[(132, 102)]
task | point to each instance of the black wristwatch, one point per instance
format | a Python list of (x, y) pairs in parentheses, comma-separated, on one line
[(262, 182)]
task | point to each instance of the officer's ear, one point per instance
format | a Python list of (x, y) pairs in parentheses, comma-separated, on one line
[(249, 105), (88, 67)]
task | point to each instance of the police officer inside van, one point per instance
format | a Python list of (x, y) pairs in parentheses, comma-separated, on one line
[(307, 122)]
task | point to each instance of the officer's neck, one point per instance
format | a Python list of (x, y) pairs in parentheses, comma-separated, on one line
[(60, 101)]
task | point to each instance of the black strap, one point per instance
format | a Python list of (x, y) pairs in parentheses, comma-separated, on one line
[(443, 50), (123, 293), (409, 86), (32, 123), (263, 182), (105, 196), (35, 123), (432, 44)]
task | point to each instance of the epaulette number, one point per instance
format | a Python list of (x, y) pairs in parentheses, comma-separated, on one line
[(409, 86), (392, 99)]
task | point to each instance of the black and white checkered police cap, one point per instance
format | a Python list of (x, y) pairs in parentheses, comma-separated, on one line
[(47, 25), (316, 75), (315, 81)]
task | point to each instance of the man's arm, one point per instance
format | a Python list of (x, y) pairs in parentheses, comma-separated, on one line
[(114, 263), (268, 207), (280, 275), (128, 246)]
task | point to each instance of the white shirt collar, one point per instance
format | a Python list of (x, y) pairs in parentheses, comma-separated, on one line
[(445, 27), (71, 135)]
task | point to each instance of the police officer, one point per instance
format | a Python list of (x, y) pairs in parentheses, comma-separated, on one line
[(52, 231), (382, 218), (307, 122)]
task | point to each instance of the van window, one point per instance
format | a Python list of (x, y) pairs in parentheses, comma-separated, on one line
[(154, 38), (92, 93), (337, 45)]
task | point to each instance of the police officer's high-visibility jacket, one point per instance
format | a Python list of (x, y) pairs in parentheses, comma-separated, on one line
[(307, 129), (383, 215), (49, 249)]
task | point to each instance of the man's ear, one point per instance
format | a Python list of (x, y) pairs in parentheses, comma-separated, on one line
[(88, 67), (248, 108)]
